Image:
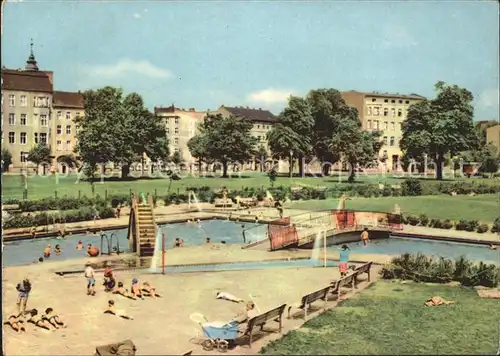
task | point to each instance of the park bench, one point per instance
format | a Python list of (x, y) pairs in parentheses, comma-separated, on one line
[(347, 281), (363, 269), (228, 203), (275, 314), (308, 299)]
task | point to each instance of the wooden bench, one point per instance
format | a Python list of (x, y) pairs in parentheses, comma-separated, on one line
[(308, 299), (347, 281), (223, 203), (275, 314), (363, 269)]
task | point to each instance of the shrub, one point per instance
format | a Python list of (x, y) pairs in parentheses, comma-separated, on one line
[(436, 223), (387, 191), (411, 187), (412, 220), (496, 225), (482, 228), (119, 200), (447, 224), (424, 220)]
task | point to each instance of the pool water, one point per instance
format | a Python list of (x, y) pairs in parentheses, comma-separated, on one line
[(247, 266), (453, 250), (27, 251)]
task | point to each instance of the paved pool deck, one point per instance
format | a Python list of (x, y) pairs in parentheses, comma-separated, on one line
[(160, 326)]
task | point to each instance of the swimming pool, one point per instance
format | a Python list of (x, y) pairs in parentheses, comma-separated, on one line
[(24, 252), (400, 245), (253, 265)]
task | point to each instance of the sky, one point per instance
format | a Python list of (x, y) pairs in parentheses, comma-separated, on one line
[(203, 54)]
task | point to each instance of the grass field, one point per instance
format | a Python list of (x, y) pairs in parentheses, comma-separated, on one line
[(390, 319), (484, 208), (43, 187)]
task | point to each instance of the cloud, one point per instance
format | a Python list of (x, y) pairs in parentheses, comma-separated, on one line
[(126, 67), (137, 15), (270, 96), (488, 99), (398, 37)]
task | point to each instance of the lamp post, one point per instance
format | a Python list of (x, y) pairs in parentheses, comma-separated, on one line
[(291, 163)]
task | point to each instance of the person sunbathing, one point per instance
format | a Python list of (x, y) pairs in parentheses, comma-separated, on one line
[(135, 289), (53, 318), (149, 290), (111, 310), (227, 296), (16, 323), (36, 319), (435, 301), (121, 290)]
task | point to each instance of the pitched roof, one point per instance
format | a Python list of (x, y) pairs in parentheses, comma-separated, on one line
[(256, 115), (389, 95), (26, 81), (67, 99)]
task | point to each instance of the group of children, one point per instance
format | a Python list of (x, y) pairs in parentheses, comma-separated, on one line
[(48, 321)]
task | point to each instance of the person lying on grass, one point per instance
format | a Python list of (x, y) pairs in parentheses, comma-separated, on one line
[(53, 318), (111, 310), (435, 301), (16, 323), (121, 290), (35, 319), (149, 290)]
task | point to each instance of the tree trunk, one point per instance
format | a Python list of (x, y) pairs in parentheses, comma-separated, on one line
[(224, 168), (439, 167), (301, 166), (125, 168), (352, 174), (290, 167), (199, 166), (326, 170)]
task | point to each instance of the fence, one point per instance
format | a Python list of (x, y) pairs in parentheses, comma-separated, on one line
[(282, 235)]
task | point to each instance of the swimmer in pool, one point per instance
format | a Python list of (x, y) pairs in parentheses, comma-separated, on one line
[(57, 250), (79, 245), (46, 251)]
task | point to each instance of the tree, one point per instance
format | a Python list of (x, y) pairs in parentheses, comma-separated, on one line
[(440, 126), (262, 154), (196, 146), (292, 135), (226, 139), (176, 158), (40, 154), (6, 159)]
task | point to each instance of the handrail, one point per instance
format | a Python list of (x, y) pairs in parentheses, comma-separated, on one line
[(102, 242), (117, 242)]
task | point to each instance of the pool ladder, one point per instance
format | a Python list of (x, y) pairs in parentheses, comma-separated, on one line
[(109, 244)]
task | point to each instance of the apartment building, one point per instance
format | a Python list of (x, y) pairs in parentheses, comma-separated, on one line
[(383, 112), (181, 125), (26, 110), (66, 106), (493, 136), (262, 121)]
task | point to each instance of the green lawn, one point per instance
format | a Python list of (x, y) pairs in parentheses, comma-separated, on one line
[(390, 319), (42, 187), (484, 208)]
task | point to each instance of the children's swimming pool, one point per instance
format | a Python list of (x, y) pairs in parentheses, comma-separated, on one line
[(399, 245), (24, 252)]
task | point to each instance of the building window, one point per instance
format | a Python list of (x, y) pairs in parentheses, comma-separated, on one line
[(177, 120), (176, 149), (12, 119), (400, 112), (43, 120), (35, 137), (393, 141), (386, 112), (369, 124), (24, 157), (386, 125), (23, 119), (374, 100), (68, 115), (176, 131), (393, 101), (68, 129), (12, 100), (68, 145), (259, 138), (59, 129), (376, 123), (377, 112), (41, 101), (258, 126), (393, 126), (176, 141), (167, 130), (23, 101), (393, 112), (22, 138), (386, 101), (59, 145), (369, 111), (401, 126), (59, 115), (12, 137), (401, 101), (43, 138), (407, 101), (77, 114), (384, 140)]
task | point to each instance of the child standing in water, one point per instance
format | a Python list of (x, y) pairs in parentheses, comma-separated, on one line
[(365, 236), (344, 259)]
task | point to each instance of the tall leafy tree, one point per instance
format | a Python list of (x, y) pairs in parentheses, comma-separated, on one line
[(262, 156), (39, 154), (440, 126), (6, 159), (197, 147), (226, 139)]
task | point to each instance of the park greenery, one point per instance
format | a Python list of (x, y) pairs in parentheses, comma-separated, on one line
[(389, 318), (6, 159)]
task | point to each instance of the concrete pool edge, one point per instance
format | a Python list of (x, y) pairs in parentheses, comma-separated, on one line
[(417, 236)]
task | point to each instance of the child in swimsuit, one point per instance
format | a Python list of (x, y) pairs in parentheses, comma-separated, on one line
[(79, 245), (53, 318), (111, 310), (149, 290), (16, 323), (344, 259), (37, 320), (121, 290), (46, 252), (57, 250), (136, 291)]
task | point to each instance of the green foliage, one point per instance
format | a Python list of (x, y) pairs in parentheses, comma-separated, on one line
[(422, 268), (496, 225), (412, 220), (482, 228), (69, 160), (424, 220), (467, 225), (440, 126), (40, 154), (272, 174), (411, 187), (6, 159)]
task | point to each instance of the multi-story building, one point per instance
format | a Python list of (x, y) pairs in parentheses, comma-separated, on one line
[(262, 121), (26, 110), (66, 106), (181, 125), (383, 112), (493, 136)]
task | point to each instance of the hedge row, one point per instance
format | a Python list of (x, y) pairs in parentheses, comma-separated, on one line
[(422, 268), (462, 225), (69, 216)]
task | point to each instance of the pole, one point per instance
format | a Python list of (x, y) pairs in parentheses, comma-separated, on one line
[(162, 253), (324, 250)]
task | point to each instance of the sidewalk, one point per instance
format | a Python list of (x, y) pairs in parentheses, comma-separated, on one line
[(451, 233)]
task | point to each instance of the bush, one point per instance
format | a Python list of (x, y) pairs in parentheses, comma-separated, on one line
[(424, 220), (411, 187), (482, 228), (65, 203), (466, 225), (436, 223), (447, 224), (421, 268), (412, 220), (119, 200), (496, 225)]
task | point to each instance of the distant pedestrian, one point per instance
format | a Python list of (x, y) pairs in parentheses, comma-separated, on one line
[(365, 236), (23, 288), (344, 259), (118, 211), (90, 275)]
